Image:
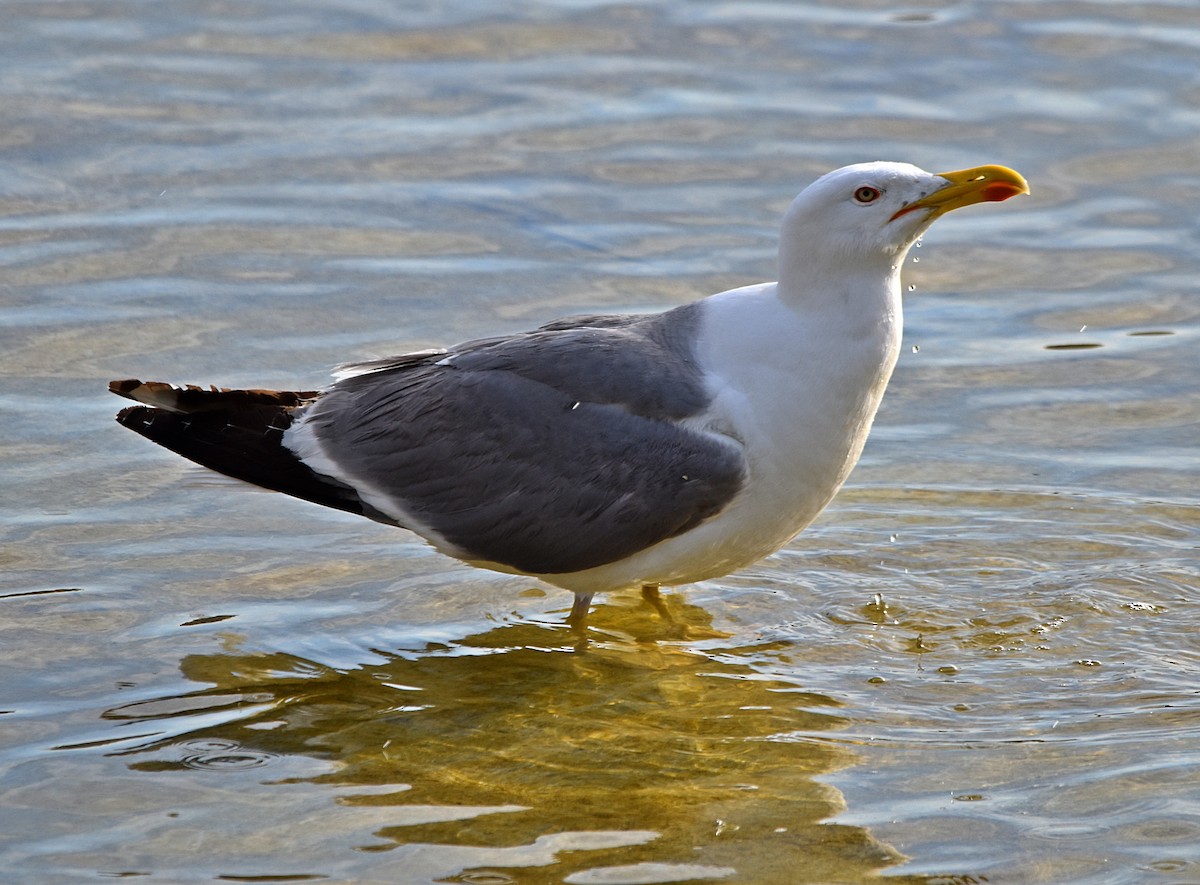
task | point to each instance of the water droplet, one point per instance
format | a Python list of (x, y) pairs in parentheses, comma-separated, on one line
[(725, 827), (918, 644), (911, 287), (916, 259), (916, 348)]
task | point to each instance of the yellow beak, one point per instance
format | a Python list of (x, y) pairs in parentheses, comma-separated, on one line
[(983, 184)]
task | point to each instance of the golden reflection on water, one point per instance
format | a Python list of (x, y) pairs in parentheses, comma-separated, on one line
[(1001, 601), (681, 756)]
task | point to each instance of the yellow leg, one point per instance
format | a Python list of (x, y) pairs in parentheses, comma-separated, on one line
[(579, 612), (650, 594)]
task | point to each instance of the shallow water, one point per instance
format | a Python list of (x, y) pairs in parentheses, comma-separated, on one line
[(980, 665)]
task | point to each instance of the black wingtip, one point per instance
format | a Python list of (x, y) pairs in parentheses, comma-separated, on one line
[(134, 417), (244, 441)]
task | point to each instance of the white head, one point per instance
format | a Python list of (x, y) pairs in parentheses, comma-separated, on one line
[(866, 217)]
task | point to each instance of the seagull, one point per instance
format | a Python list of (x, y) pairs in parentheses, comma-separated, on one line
[(606, 452)]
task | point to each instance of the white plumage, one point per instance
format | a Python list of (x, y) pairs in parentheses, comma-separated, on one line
[(608, 452)]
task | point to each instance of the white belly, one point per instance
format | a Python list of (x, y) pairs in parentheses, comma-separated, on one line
[(799, 398)]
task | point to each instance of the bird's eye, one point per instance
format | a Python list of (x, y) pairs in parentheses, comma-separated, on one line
[(866, 194)]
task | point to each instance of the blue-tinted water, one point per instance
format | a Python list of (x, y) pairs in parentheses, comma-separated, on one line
[(979, 665)]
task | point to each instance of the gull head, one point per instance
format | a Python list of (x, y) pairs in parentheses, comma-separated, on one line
[(869, 215)]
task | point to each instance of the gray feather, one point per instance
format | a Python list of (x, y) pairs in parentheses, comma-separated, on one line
[(551, 451)]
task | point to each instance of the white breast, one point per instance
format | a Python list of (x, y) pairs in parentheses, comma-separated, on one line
[(797, 389)]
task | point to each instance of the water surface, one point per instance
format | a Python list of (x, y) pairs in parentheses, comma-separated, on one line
[(980, 665)]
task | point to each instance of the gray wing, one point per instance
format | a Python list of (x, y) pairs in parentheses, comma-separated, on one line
[(550, 452)]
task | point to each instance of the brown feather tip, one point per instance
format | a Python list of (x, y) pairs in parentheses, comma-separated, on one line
[(192, 398)]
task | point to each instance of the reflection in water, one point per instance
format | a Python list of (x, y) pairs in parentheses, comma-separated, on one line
[(689, 760), (200, 192)]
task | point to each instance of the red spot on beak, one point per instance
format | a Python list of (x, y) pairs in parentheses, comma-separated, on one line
[(998, 191)]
